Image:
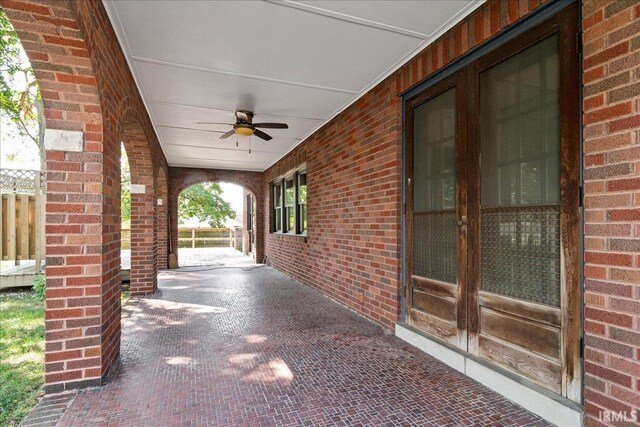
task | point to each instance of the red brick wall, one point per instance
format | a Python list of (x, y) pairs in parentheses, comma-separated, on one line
[(144, 248), (352, 252), (611, 77), (181, 178), (162, 220), (86, 86), (246, 238)]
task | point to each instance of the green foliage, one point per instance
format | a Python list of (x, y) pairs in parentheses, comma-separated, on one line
[(40, 286), (204, 202), (125, 187), (22, 355), (20, 99)]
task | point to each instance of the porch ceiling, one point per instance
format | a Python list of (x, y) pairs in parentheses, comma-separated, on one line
[(295, 62)]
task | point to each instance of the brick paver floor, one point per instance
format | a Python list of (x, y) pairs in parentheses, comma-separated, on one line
[(193, 257), (251, 347)]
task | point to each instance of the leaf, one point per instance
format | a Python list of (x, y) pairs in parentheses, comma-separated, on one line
[(204, 202), (19, 92)]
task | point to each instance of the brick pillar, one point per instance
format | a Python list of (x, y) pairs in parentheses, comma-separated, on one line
[(162, 218), (82, 311), (144, 266), (259, 228), (246, 238), (611, 77), (75, 269), (173, 224)]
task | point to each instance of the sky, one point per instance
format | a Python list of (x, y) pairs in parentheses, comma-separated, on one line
[(233, 194)]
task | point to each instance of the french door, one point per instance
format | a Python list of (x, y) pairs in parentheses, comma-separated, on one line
[(436, 216), (493, 213)]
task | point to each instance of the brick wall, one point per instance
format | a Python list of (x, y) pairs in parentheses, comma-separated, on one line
[(181, 178), (246, 237), (162, 224), (353, 248), (86, 86), (144, 248), (352, 251), (611, 77)]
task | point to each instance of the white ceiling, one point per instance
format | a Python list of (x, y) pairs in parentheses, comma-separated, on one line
[(298, 62)]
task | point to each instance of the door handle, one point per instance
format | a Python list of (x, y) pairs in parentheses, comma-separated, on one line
[(462, 222)]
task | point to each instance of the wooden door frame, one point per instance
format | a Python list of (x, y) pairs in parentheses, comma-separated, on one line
[(459, 82), (560, 18), (565, 25)]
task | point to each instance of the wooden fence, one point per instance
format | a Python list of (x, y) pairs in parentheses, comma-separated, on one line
[(22, 216), (199, 238)]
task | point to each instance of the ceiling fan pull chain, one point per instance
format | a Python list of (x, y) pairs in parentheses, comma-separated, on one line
[(250, 145), (236, 139)]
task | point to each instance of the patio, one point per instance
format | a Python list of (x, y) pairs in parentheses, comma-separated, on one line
[(194, 257), (225, 346), (465, 171)]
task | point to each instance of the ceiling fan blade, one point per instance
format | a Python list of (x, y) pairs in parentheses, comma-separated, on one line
[(228, 134), (260, 134), (272, 125), (214, 123)]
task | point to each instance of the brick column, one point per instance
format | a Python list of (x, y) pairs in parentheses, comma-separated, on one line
[(246, 238), (80, 345), (144, 267), (260, 228), (611, 77), (162, 218)]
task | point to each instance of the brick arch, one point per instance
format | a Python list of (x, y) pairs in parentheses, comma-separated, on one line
[(181, 178), (82, 338), (162, 216), (144, 244)]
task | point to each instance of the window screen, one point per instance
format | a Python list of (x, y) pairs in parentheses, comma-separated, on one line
[(434, 191), (520, 169)]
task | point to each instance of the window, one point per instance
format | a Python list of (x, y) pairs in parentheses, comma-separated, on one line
[(290, 204), (277, 207), (249, 212), (302, 203)]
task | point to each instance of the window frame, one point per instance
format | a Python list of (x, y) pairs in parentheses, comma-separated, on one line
[(283, 228), (276, 187), (299, 221)]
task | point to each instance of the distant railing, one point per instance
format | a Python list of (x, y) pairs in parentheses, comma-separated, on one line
[(199, 238)]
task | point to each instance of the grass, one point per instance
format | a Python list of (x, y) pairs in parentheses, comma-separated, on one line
[(21, 354)]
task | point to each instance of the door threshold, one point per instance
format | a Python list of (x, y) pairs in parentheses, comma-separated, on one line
[(544, 403)]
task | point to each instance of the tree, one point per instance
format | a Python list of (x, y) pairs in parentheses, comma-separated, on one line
[(125, 188), (204, 202), (20, 99)]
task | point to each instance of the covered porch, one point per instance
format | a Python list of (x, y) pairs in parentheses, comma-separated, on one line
[(462, 174), (227, 347)]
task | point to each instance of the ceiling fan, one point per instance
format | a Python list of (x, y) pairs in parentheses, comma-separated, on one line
[(244, 126)]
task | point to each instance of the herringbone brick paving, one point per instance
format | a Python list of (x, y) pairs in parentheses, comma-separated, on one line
[(241, 347)]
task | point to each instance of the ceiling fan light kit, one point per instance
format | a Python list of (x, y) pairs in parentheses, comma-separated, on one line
[(243, 130)]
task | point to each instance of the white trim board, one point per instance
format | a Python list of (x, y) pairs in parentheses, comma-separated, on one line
[(552, 410)]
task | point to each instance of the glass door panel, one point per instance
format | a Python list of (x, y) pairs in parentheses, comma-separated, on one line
[(520, 274), (437, 303), (434, 194)]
